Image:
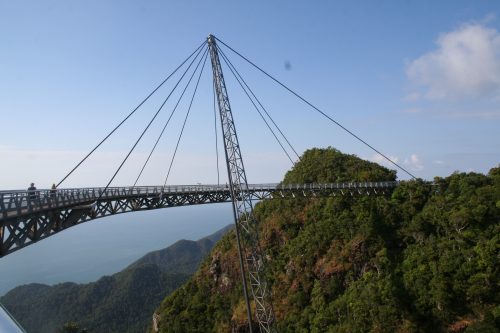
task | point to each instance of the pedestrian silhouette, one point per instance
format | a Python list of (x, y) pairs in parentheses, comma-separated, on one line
[(53, 190), (32, 191)]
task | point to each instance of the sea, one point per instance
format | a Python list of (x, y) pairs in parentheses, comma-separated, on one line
[(104, 246)]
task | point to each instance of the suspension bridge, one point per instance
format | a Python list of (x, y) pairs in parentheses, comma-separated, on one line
[(28, 216)]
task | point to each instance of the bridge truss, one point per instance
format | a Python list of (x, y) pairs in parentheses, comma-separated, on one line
[(27, 217)]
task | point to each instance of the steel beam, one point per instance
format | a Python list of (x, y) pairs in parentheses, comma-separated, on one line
[(246, 226), (25, 220)]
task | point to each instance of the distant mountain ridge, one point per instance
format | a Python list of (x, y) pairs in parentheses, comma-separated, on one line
[(122, 302), (184, 256)]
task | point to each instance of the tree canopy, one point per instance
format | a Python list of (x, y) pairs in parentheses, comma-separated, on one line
[(423, 258)]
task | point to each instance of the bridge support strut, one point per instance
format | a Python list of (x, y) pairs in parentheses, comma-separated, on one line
[(246, 227)]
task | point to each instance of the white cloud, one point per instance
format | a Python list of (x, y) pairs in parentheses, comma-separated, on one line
[(377, 158), (491, 17), (465, 64), (414, 162)]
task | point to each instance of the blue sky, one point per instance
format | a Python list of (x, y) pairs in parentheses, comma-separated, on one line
[(420, 80)]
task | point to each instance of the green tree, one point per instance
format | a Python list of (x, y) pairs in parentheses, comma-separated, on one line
[(421, 259)]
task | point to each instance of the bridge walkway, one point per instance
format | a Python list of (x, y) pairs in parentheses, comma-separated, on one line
[(28, 216)]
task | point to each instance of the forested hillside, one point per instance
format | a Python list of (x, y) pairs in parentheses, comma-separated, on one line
[(424, 258), (123, 302)]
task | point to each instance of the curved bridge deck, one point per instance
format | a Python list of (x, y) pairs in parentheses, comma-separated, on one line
[(28, 216)]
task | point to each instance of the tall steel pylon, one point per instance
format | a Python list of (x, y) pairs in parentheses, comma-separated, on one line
[(246, 227)]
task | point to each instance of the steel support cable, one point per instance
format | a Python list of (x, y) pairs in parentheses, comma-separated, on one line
[(149, 124), (256, 108), (130, 114), (216, 141), (317, 109), (167, 122), (185, 120), (258, 101)]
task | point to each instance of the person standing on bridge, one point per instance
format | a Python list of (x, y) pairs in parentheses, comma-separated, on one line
[(53, 191), (32, 191)]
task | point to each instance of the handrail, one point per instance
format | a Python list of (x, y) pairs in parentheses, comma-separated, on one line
[(184, 188), (29, 201)]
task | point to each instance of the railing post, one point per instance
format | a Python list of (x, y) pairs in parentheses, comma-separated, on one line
[(2, 206)]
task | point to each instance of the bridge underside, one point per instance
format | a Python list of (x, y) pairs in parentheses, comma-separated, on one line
[(24, 230), (26, 219)]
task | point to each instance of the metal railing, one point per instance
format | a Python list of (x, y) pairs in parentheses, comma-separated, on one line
[(26, 201)]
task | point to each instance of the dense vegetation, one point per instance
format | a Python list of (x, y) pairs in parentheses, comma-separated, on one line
[(123, 302), (423, 258)]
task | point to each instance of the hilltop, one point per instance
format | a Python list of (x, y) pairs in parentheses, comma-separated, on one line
[(421, 259)]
